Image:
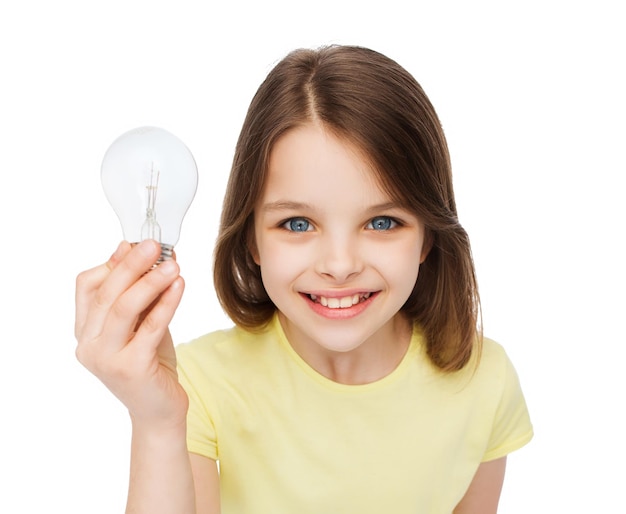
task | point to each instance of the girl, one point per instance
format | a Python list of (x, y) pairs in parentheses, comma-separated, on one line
[(356, 378)]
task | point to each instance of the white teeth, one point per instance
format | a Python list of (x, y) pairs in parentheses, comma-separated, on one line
[(340, 303), (333, 303)]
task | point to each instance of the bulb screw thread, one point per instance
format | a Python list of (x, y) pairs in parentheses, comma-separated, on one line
[(167, 251)]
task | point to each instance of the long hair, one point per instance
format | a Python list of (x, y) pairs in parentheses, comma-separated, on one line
[(369, 100)]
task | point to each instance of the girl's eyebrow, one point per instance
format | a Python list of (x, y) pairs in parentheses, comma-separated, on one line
[(285, 205), (386, 206)]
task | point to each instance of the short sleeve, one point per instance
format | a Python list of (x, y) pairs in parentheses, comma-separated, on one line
[(201, 433), (512, 427)]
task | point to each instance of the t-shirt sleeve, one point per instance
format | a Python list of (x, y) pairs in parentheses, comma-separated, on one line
[(201, 433), (512, 427)]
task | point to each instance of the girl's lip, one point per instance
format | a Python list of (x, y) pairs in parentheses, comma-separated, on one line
[(340, 313), (339, 293)]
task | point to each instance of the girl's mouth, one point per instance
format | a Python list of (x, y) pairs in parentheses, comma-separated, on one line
[(344, 302)]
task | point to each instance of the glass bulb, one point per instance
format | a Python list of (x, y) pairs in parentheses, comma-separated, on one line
[(150, 178)]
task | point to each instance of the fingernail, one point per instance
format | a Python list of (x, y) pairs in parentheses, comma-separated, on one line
[(146, 248), (167, 268)]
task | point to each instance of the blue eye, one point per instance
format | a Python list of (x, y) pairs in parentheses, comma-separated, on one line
[(297, 225), (382, 223)]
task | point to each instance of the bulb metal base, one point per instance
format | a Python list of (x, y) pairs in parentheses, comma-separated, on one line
[(167, 253)]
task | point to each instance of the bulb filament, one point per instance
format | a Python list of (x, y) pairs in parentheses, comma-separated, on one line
[(150, 228)]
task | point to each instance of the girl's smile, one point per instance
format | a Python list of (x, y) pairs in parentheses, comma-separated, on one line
[(338, 256), (340, 305), (335, 302)]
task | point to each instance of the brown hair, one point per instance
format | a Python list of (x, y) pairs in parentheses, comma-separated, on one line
[(371, 101)]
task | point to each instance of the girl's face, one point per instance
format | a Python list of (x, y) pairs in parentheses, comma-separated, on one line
[(338, 257)]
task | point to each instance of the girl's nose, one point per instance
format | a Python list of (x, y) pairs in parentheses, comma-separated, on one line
[(339, 258)]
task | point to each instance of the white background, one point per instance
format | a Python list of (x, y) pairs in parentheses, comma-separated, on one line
[(531, 95)]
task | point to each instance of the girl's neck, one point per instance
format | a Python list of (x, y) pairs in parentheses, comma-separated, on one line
[(371, 361)]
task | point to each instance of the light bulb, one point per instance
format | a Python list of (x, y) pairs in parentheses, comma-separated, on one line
[(150, 178)]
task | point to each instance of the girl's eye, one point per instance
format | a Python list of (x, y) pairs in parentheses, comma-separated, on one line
[(297, 225), (382, 223)]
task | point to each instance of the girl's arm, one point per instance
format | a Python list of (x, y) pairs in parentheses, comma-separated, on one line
[(123, 309), (483, 493), (160, 473), (206, 479)]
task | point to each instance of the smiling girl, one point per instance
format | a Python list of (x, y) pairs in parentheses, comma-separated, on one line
[(356, 378)]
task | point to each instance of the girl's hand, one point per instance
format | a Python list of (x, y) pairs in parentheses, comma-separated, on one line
[(123, 309)]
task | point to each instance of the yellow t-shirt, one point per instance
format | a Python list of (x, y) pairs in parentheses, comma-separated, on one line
[(289, 440)]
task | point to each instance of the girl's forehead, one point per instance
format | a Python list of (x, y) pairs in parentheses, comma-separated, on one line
[(315, 146), (312, 153), (311, 167)]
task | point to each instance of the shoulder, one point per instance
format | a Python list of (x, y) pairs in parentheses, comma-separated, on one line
[(494, 364), (488, 375), (487, 380), (497, 376), (209, 342), (219, 349), (491, 359), (485, 370)]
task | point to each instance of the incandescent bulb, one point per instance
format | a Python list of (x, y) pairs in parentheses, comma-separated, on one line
[(150, 178)]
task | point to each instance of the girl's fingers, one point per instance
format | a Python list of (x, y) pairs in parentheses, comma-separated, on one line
[(154, 326), (122, 274), (123, 248), (88, 282), (126, 272), (151, 291)]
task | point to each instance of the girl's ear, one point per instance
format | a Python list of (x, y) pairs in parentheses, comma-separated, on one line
[(429, 240)]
